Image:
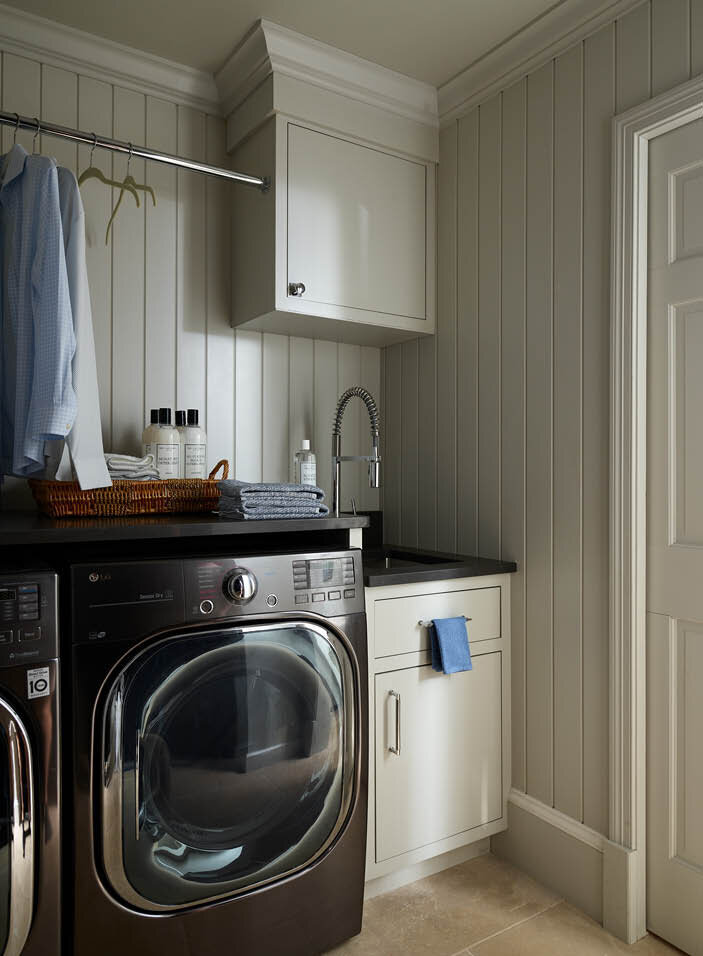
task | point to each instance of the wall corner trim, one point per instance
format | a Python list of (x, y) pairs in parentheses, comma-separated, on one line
[(270, 48), (539, 41), (54, 44), (573, 828)]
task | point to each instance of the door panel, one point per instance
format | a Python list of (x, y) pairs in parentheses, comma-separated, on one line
[(229, 761), (356, 225), (447, 777), (675, 539)]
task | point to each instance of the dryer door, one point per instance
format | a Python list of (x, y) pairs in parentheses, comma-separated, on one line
[(17, 831), (228, 761)]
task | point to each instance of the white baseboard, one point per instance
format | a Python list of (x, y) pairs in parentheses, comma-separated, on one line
[(392, 881), (555, 818)]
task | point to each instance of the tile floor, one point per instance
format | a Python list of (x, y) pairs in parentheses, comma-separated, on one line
[(484, 908)]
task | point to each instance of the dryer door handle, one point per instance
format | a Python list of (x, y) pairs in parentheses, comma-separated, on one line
[(22, 830)]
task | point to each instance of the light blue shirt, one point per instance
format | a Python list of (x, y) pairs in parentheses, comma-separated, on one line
[(37, 342)]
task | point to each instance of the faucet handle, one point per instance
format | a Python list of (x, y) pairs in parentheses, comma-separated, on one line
[(375, 472)]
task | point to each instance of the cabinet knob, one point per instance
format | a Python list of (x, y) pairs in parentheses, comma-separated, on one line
[(296, 288)]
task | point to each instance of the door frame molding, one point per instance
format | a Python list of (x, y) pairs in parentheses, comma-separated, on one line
[(632, 133)]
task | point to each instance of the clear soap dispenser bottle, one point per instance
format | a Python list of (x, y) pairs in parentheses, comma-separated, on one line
[(305, 465)]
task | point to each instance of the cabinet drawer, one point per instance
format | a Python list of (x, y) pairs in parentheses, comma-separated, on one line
[(396, 626), (443, 775)]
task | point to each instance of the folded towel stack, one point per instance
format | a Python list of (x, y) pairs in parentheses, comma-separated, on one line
[(247, 501), (133, 469)]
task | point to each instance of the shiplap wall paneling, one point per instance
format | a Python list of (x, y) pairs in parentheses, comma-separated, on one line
[(370, 378), (394, 465), (468, 377), (410, 451), (161, 250), (326, 393), (567, 433), (427, 445), (128, 281), (538, 438), (599, 105), (512, 424), (447, 475), (489, 327)]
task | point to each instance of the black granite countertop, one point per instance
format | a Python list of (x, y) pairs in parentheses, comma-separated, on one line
[(413, 565), (30, 528)]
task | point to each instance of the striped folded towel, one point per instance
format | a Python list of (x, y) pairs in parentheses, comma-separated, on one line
[(262, 500), (132, 469)]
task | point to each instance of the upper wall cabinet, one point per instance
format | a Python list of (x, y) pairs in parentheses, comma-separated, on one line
[(342, 246)]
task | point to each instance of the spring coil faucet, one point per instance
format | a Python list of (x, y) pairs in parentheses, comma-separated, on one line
[(374, 459)]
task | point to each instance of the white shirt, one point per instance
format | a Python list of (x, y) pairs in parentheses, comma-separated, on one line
[(84, 444)]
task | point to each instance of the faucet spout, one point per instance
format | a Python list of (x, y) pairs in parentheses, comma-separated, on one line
[(374, 459)]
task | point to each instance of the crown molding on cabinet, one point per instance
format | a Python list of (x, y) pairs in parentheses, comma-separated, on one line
[(527, 50), (269, 48), (67, 48)]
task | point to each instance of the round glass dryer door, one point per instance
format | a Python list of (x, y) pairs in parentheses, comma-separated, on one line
[(228, 761)]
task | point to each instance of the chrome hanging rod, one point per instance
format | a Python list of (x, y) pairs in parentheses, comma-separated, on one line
[(137, 152)]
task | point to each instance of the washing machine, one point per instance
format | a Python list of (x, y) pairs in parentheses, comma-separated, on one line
[(30, 836), (220, 740)]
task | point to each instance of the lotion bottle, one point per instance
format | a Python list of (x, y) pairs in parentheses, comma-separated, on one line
[(305, 465), (194, 447), (150, 434), (168, 447)]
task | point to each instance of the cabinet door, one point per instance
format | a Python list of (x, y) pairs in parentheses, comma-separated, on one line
[(447, 777), (356, 225)]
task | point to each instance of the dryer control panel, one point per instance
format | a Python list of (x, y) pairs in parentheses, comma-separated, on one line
[(330, 584), (28, 615)]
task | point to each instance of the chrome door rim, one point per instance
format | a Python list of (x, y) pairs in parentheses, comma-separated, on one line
[(22, 830), (111, 765)]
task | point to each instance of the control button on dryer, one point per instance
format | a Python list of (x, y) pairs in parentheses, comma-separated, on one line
[(334, 595), (206, 606), (6, 637), (349, 592), (302, 598), (272, 600), (318, 596)]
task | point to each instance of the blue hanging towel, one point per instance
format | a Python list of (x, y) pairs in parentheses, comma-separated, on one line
[(449, 643)]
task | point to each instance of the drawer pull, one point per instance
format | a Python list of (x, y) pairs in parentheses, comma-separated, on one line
[(429, 623), (396, 750)]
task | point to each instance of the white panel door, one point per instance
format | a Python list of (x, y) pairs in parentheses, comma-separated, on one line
[(356, 225), (446, 779), (675, 540)]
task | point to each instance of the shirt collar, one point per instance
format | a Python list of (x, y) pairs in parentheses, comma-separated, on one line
[(12, 164)]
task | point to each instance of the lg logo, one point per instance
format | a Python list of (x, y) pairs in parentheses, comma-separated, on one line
[(96, 576)]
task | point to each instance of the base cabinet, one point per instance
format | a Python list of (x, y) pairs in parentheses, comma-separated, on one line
[(446, 777), (439, 772)]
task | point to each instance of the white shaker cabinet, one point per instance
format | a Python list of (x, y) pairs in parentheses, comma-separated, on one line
[(445, 777), (439, 763), (357, 226), (342, 246)]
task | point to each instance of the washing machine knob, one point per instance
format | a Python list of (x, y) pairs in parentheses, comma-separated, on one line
[(240, 586)]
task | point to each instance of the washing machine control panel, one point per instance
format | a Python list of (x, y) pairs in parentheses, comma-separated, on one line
[(329, 584), (28, 616)]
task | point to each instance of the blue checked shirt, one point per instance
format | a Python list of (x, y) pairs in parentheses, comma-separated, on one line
[(37, 342)]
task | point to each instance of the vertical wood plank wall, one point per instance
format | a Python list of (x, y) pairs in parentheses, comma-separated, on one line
[(160, 292), (512, 424)]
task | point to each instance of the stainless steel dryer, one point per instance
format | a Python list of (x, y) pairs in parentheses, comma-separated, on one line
[(30, 848), (220, 755)]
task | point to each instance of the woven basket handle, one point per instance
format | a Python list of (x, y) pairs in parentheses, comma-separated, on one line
[(224, 465)]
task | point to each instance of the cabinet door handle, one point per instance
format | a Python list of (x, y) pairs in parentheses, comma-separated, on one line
[(396, 750), (296, 288)]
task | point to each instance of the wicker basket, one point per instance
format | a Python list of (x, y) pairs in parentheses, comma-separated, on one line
[(64, 499)]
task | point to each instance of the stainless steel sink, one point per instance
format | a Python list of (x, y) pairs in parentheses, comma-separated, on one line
[(396, 558)]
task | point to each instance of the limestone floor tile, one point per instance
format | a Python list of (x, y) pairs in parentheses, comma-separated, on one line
[(563, 930), (443, 914)]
